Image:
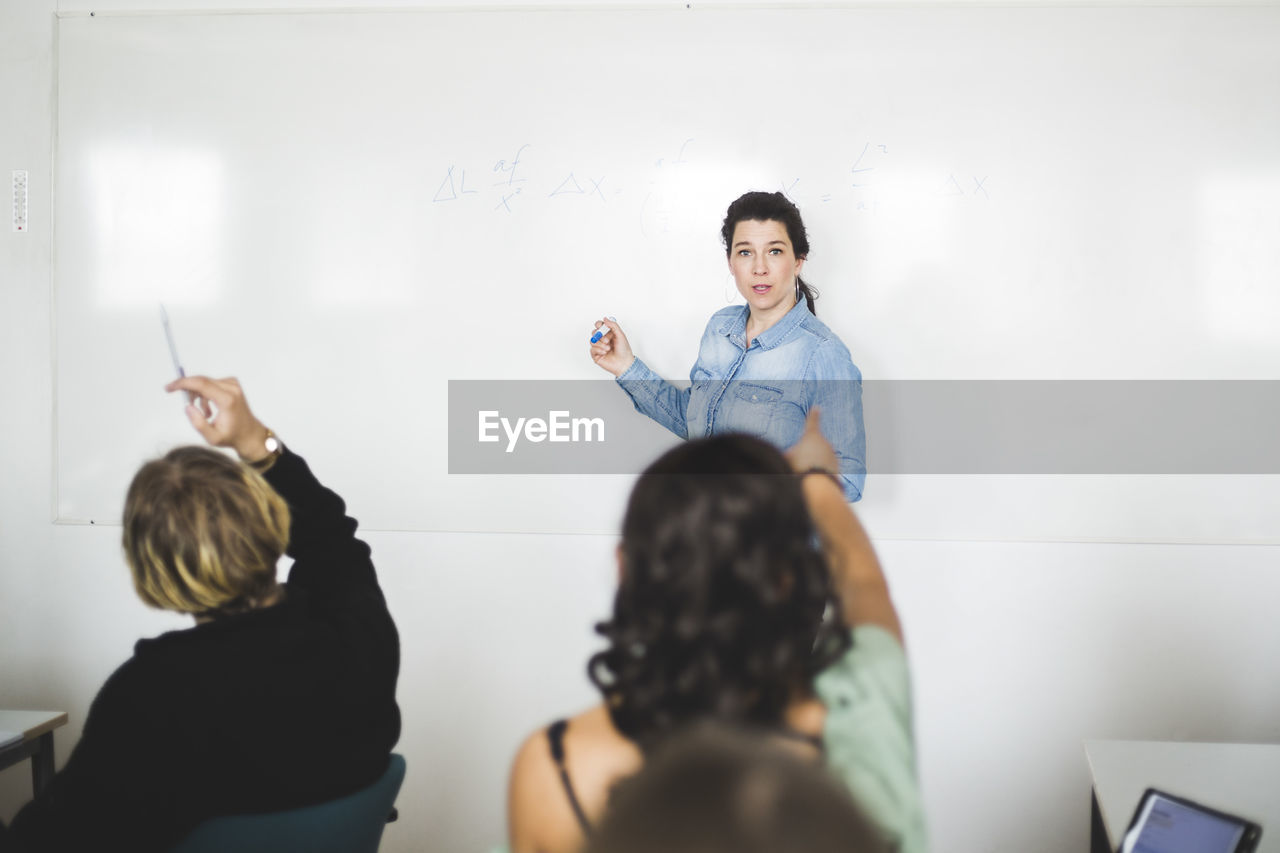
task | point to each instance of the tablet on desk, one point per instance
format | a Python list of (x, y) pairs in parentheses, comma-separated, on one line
[(1164, 823)]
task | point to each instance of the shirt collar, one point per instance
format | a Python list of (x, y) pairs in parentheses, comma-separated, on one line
[(735, 325)]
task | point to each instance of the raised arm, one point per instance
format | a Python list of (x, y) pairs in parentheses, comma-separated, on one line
[(868, 733), (855, 569), (322, 537)]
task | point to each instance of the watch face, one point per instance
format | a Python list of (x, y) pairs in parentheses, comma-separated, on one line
[(273, 444)]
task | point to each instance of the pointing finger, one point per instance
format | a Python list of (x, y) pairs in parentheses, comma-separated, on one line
[(811, 422)]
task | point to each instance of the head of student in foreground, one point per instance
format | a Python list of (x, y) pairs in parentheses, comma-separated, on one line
[(723, 791), (724, 607), (203, 533)]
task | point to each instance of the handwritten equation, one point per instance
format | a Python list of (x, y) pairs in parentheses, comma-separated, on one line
[(508, 179), (514, 183)]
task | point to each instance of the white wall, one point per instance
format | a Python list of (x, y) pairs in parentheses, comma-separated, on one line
[(1020, 650)]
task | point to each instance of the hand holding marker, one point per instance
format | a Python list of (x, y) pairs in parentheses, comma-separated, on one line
[(610, 348), (602, 330)]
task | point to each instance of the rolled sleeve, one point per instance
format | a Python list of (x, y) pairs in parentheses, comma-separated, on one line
[(836, 389), (656, 398)]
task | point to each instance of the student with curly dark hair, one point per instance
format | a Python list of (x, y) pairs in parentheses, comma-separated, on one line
[(728, 611), (721, 600)]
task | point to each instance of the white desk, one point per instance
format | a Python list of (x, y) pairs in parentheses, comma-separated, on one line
[(1239, 778), (36, 728)]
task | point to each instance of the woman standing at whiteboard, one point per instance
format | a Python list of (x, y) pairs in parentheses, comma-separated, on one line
[(761, 366)]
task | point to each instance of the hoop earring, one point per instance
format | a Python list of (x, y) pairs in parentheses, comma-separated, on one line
[(797, 288)]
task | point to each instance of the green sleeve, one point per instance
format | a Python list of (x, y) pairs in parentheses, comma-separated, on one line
[(869, 737)]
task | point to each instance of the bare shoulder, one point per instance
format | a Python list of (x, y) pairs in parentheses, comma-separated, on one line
[(540, 816), (594, 730), (532, 806), (597, 756)]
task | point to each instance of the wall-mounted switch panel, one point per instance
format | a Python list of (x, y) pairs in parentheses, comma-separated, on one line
[(19, 199)]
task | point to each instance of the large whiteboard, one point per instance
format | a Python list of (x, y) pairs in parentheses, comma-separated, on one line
[(350, 209)]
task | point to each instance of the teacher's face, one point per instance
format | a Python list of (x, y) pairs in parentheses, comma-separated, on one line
[(764, 266)]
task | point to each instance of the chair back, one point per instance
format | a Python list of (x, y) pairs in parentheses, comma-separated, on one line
[(350, 824)]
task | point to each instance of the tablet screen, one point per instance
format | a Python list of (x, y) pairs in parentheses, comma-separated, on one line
[(1167, 826)]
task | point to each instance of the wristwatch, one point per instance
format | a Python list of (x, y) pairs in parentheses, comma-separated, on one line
[(274, 448)]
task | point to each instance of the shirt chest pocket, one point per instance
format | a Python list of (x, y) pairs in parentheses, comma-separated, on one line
[(752, 409)]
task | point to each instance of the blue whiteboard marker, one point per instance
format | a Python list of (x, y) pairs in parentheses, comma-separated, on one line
[(601, 332)]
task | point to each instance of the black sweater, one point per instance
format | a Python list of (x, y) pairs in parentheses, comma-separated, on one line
[(271, 709)]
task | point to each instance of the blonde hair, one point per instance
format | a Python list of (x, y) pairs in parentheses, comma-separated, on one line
[(203, 533)]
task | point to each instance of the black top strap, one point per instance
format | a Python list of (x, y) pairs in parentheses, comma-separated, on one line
[(555, 739)]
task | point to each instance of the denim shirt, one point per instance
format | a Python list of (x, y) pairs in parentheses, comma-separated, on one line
[(765, 389)]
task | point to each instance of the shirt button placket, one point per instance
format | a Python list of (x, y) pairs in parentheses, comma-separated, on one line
[(724, 386)]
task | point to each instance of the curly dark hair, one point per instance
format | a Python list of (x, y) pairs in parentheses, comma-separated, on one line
[(771, 207), (725, 608)]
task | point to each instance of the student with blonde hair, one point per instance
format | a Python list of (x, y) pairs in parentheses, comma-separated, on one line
[(280, 696)]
